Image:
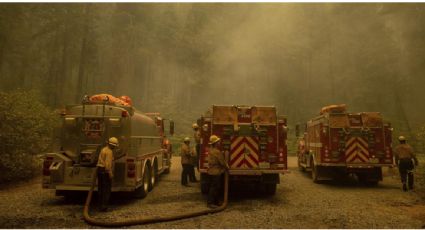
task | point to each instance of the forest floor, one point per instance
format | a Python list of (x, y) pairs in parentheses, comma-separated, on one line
[(298, 203)]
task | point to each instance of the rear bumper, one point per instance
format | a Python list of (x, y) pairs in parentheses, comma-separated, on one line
[(354, 165), (86, 188), (254, 172)]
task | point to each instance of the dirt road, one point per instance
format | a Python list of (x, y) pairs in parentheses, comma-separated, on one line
[(298, 203)]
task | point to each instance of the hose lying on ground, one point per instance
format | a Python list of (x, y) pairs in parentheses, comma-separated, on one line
[(148, 220)]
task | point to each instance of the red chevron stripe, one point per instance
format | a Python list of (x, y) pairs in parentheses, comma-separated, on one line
[(250, 145), (237, 146), (234, 159), (253, 159), (241, 163), (244, 140), (247, 163), (361, 143), (357, 157)]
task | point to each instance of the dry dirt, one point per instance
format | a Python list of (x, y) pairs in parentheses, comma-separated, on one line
[(298, 203)]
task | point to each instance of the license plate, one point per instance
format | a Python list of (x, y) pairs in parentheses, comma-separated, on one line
[(264, 165), (374, 160)]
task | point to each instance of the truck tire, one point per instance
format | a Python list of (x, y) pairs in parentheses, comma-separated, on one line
[(167, 170), (204, 183), (270, 189), (314, 172), (300, 167), (153, 176), (142, 191)]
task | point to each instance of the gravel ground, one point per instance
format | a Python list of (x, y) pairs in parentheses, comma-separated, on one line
[(298, 203)]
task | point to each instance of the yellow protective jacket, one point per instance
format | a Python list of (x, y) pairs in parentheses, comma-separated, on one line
[(106, 160), (404, 151), (185, 154), (216, 162)]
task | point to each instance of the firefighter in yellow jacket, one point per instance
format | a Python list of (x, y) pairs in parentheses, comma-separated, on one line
[(404, 157), (217, 165), (105, 172), (186, 160)]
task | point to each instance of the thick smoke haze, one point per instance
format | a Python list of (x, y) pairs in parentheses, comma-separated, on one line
[(180, 58)]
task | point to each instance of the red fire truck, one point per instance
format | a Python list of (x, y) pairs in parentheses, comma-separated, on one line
[(339, 143), (254, 140)]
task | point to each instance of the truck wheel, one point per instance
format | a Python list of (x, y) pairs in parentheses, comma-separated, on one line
[(301, 168), (204, 183), (167, 170), (270, 189), (142, 191), (153, 177), (314, 172)]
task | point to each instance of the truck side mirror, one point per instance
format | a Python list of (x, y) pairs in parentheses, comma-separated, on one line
[(171, 127), (297, 130)]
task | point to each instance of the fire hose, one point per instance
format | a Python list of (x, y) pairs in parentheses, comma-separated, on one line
[(148, 220)]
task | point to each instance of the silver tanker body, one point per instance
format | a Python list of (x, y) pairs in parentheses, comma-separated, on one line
[(138, 161)]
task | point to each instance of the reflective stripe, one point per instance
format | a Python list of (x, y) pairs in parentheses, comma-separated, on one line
[(356, 150), (317, 145)]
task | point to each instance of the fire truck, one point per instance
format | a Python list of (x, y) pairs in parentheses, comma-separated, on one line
[(144, 151), (253, 139), (338, 143)]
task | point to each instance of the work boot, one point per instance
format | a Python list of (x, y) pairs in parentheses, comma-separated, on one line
[(404, 187), (186, 185)]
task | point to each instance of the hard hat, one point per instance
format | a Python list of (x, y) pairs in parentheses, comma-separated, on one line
[(186, 139), (401, 138), (113, 141), (213, 139), (195, 126)]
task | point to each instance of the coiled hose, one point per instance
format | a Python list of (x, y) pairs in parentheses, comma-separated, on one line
[(148, 220)]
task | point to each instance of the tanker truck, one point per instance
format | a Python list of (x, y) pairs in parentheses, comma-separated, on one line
[(143, 154)]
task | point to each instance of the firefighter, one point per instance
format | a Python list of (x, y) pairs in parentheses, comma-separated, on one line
[(197, 137), (105, 172), (193, 163), (186, 160), (403, 158), (217, 166)]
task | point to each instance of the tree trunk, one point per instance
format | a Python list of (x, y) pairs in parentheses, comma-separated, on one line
[(52, 72), (83, 57)]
